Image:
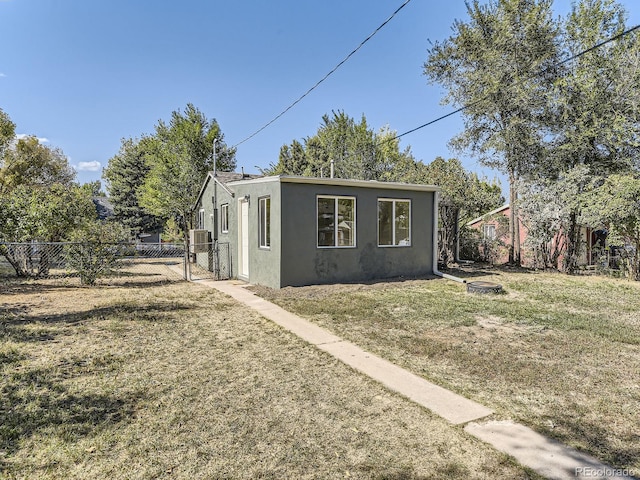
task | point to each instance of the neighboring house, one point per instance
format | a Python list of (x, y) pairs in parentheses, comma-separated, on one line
[(491, 226), (292, 231), (104, 207)]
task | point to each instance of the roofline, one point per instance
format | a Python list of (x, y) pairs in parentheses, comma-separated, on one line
[(488, 214), (342, 182), (204, 186)]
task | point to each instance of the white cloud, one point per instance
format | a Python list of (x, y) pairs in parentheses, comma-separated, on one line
[(20, 136), (2, 75), (89, 166)]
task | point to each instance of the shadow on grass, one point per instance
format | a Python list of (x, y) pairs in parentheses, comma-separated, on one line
[(21, 326), (596, 437), (35, 401)]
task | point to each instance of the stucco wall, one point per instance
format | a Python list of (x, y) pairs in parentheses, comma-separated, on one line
[(264, 263), (303, 263)]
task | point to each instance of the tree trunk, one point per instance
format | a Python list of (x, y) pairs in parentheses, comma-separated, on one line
[(514, 224), (570, 261)]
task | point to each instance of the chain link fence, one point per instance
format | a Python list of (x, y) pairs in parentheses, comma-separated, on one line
[(211, 260), (91, 262)]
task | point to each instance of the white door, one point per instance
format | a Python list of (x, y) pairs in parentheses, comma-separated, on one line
[(243, 239)]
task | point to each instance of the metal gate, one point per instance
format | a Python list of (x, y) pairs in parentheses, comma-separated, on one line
[(209, 261)]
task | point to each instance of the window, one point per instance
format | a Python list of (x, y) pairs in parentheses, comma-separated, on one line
[(224, 218), (201, 218), (489, 232), (264, 212), (336, 221), (394, 222)]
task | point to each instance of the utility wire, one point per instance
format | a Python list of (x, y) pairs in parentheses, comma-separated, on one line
[(573, 57), (325, 77)]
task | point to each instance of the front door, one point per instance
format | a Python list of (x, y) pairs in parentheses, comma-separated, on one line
[(243, 238)]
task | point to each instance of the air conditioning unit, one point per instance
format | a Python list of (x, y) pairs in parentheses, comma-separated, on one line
[(199, 241)]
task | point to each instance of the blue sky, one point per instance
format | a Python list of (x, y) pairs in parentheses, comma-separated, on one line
[(84, 74)]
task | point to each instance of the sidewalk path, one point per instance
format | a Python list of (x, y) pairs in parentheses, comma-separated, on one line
[(543, 455)]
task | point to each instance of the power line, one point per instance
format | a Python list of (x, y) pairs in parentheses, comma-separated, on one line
[(325, 77), (573, 57)]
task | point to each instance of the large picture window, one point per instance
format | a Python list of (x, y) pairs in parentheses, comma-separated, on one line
[(264, 211), (394, 222), (224, 218), (336, 221)]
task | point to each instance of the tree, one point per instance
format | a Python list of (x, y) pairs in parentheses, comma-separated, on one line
[(547, 208), (616, 205), (347, 148), (498, 66), (7, 134), (178, 156), (40, 214), (126, 174), (93, 189), (93, 251), (596, 119), (32, 164), (463, 195)]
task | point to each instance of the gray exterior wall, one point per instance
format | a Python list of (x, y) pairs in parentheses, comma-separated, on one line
[(264, 263), (303, 263), (294, 258), (206, 260)]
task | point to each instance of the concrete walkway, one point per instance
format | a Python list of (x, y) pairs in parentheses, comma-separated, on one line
[(547, 457)]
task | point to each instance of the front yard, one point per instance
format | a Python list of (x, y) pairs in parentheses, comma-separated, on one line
[(145, 378), (560, 354)]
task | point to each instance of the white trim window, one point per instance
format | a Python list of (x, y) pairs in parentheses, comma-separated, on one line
[(224, 218), (336, 221), (264, 212), (201, 219), (394, 222), (489, 232)]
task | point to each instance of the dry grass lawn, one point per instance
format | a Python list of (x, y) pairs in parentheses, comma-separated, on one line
[(560, 354), (143, 378)]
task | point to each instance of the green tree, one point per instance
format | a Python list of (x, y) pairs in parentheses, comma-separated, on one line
[(547, 208), (94, 251), (464, 196), (7, 134), (498, 66), (179, 155), (32, 164), (616, 205), (596, 123), (93, 189), (40, 214), (351, 149), (126, 174)]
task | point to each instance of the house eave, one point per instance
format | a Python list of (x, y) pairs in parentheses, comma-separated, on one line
[(488, 214), (341, 182)]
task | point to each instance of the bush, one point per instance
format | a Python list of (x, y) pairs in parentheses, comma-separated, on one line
[(95, 250)]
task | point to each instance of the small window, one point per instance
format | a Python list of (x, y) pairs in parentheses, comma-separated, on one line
[(394, 223), (224, 218), (264, 211), (489, 232), (336, 221), (201, 218)]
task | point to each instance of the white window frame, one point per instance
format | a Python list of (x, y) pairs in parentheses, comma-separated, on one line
[(201, 219), (224, 218), (489, 232), (264, 223), (336, 199), (393, 202)]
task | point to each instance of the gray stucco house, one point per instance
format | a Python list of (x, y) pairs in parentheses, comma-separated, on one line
[(293, 231)]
